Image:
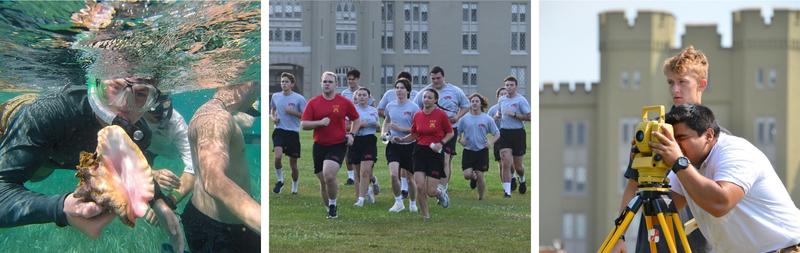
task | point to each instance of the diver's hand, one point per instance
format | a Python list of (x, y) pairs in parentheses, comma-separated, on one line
[(166, 179), (87, 217), (619, 247), (170, 223)]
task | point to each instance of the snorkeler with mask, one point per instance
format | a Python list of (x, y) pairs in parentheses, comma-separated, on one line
[(50, 131)]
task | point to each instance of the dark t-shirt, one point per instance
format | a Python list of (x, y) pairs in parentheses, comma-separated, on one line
[(51, 131)]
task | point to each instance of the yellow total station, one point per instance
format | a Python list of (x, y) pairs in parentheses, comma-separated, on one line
[(651, 167)]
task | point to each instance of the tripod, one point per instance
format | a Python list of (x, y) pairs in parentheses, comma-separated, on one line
[(657, 205)]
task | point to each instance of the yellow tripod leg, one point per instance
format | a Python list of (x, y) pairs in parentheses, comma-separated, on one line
[(618, 230), (648, 220), (681, 233), (667, 233)]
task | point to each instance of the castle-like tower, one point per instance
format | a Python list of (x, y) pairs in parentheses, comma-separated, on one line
[(587, 128)]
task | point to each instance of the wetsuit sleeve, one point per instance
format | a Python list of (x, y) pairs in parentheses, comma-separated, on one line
[(23, 150)]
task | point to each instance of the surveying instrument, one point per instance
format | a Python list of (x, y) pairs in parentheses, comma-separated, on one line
[(653, 193)]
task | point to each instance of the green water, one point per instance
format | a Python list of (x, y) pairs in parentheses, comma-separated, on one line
[(116, 237)]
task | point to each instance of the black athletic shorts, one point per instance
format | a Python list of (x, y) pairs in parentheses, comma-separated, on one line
[(450, 146), (496, 151), (288, 140), (428, 161), (402, 154), (207, 235), (333, 152), (513, 139), (477, 160), (364, 148)]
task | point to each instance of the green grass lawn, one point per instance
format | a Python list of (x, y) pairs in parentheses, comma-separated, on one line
[(297, 223)]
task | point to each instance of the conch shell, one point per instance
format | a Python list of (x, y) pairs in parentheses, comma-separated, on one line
[(117, 176)]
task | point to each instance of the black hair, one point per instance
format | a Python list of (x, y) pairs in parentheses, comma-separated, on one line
[(697, 117), (365, 88), (404, 74), (437, 69), (406, 84), (499, 90), (436, 98), (354, 73)]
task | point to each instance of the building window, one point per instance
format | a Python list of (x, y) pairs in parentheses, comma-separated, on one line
[(469, 28), (568, 140), (519, 27), (419, 75), (387, 76), (387, 35), (469, 79), (581, 131), (568, 225), (285, 23), (766, 134), (624, 80), (341, 76), (569, 179), (627, 126), (520, 72), (580, 180), (637, 79), (415, 27), (760, 78), (773, 78), (346, 21)]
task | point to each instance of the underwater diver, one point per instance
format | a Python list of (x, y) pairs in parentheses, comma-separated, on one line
[(222, 215), (49, 131)]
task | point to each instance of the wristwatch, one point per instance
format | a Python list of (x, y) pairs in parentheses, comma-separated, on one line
[(681, 164)]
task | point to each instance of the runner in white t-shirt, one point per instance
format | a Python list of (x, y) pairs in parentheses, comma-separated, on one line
[(738, 200)]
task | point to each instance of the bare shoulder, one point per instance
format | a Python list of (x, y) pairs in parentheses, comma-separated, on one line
[(211, 120)]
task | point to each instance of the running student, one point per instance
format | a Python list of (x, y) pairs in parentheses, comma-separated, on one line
[(388, 97), (431, 128), (352, 86), (501, 92), (286, 108), (452, 101), (325, 114), (474, 127), (364, 151), (399, 116), (514, 108)]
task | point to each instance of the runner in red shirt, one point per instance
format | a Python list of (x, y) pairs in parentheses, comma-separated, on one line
[(325, 114), (431, 128)]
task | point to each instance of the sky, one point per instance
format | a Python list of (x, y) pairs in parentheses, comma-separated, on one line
[(568, 30)]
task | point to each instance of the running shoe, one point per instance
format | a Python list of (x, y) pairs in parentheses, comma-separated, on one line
[(513, 183), (278, 187), (397, 207), (332, 212), (444, 200)]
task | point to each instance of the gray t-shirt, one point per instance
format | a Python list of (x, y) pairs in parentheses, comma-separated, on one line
[(402, 115), (516, 104), (492, 111), (280, 102), (451, 97), (369, 115), (475, 128), (390, 96)]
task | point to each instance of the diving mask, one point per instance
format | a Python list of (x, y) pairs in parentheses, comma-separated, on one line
[(133, 94)]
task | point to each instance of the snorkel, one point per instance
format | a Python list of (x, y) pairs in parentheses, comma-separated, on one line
[(107, 116)]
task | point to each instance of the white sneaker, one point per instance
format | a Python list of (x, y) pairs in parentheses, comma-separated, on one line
[(370, 196), (413, 208), (397, 207), (359, 203)]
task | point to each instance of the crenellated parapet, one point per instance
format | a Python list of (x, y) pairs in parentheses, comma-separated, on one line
[(753, 30), (650, 30), (566, 87)]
